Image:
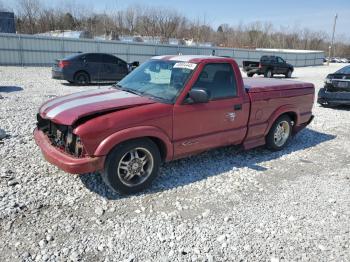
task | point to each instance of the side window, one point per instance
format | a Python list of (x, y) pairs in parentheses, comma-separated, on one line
[(109, 59), (122, 63), (280, 60), (93, 58), (219, 80)]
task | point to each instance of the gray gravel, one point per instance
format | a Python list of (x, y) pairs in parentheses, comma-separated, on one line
[(224, 205)]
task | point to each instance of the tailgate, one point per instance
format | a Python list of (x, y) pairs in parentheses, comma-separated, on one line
[(250, 65)]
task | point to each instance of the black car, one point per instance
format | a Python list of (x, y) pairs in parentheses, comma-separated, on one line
[(268, 66), (85, 68), (337, 89)]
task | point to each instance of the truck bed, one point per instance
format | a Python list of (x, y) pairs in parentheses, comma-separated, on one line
[(268, 98), (257, 85)]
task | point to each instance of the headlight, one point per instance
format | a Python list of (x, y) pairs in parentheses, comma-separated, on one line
[(328, 81)]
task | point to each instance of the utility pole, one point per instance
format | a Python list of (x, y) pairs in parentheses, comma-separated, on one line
[(332, 42)]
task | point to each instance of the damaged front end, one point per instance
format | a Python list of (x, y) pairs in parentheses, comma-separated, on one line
[(61, 137)]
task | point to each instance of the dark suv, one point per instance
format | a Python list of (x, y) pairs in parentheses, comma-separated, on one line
[(85, 68), (268, 66)]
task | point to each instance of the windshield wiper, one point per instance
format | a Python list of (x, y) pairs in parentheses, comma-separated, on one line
[(156, 97), (133, 91), (127, 90), (117, 86)]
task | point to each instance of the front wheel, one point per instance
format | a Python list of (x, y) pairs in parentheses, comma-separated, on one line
[(288, 74), (279, 133), (131, 166), (250, 75)]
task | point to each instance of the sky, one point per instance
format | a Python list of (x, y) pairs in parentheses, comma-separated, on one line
[(317, 15)]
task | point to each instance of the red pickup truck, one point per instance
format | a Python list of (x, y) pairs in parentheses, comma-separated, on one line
[(168, 108)]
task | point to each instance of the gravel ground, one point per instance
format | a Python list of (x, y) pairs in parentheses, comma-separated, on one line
[(223, 205)]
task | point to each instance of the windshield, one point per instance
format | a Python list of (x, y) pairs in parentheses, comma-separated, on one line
[(158, 79), (344, 70)]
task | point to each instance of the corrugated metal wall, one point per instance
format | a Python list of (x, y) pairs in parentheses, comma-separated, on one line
[(17, 49)]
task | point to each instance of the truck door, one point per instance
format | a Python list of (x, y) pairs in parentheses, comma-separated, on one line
[(221, 121)]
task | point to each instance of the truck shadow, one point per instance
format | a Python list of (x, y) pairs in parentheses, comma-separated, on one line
[(212, 163), (10, 89)]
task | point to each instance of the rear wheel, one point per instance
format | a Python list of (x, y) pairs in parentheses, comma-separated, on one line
[(131, 166), (81, 78), (279, 133), (268, 73)]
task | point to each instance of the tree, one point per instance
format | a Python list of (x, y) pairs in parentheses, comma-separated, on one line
[(29, 9), (68, 21)]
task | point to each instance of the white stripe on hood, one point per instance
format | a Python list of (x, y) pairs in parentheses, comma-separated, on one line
[(86, 101), (74, 95)]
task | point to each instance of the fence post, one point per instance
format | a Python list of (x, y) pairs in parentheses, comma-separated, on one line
[(127, 53), (20, 51)]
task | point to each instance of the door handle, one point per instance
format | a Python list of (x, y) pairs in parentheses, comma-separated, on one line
[(237, 107)]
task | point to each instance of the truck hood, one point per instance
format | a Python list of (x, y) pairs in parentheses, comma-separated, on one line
[(66, 110)]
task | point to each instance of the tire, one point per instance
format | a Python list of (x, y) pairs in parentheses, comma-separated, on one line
[(268, 73), (81, 78), (276, 139), (250, 75), (289, 74), (123, 168)]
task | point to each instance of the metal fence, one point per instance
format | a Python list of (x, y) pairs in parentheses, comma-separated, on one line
[(29, 50)]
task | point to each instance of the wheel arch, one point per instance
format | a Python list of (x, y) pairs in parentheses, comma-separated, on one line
[(155, 134), (288, 110), (82, 71)]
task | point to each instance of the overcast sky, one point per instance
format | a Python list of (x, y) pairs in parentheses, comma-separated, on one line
[(314, 14)]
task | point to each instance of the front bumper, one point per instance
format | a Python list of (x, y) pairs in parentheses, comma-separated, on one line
[(64, 161), (335, 98)]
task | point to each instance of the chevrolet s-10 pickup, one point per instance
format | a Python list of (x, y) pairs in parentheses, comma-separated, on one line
[(168, 108)]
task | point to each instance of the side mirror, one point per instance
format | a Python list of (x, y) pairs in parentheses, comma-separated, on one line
[(197, 95)]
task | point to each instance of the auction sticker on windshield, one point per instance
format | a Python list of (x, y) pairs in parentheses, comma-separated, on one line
[(190, 66)]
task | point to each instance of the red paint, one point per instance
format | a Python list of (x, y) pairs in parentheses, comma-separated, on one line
[(182, 129), (64, 161), (63, 63)]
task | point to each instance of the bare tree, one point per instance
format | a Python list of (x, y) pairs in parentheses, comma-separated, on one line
[(33, 17), (29, 9)]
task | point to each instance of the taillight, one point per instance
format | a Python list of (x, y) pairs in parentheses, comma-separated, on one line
[(63, 63)]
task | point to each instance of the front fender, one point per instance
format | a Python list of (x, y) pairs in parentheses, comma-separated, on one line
[(131, 133), (280, 111)]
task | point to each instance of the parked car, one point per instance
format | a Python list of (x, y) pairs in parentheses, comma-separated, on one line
[(85, 68), (268, 66), (337, 88), (169, 108)]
